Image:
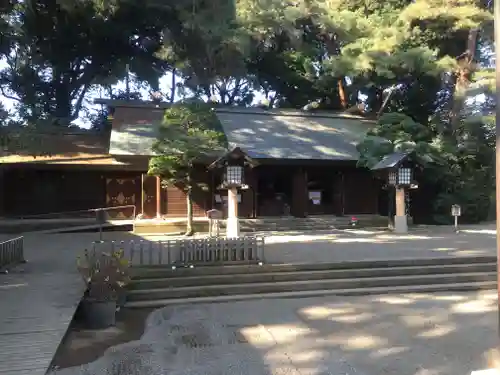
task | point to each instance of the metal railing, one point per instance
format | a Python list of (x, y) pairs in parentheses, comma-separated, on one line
[(12, 252), (79, 214), (106, 209), (188, 251)]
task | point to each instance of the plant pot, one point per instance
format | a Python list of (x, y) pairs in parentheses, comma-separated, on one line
[(121, 299), (99, 314)]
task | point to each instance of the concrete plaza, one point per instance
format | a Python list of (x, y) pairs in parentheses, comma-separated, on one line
[(38, 300)]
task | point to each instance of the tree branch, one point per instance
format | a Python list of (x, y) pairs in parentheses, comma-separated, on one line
[(79, 102), (2, 91)]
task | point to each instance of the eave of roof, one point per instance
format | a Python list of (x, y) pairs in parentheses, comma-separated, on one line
[(391, 161), (53, 147)]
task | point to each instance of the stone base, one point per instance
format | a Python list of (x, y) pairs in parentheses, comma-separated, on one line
[(400, 224), (490, 371), (232, 227)]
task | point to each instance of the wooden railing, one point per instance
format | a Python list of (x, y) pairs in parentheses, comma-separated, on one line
[(188, 251), (11, 252)]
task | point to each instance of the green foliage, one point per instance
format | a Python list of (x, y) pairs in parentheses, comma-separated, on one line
[(190, 133), (398, 132), (104, 274), (419, 59), (463, 175)]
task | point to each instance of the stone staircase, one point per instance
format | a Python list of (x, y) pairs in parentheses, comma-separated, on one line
[(264, 224), (157, 286), (308, 223)]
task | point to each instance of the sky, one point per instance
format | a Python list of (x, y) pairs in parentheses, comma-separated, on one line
[(164, 87), (164, 84)]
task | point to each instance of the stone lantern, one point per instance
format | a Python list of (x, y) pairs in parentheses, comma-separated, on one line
[(233, 164), (399, 169)]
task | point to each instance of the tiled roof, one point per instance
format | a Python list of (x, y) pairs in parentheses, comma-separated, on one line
[(62, 148), (277, 134), (263, 134), (294, 134)]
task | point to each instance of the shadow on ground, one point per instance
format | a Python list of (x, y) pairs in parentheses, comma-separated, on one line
[(393, 334), (345, 245)]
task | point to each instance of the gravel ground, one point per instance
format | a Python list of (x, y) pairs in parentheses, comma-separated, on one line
[(393, 334)]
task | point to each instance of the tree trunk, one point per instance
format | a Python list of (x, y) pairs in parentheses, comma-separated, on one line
[(174, 86), (189, 221), (463, 79), (342, 94)]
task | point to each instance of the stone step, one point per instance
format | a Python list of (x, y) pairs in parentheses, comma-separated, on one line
[(428, 288), (308, 285), (262, 224), (291, 276), (145, 272)]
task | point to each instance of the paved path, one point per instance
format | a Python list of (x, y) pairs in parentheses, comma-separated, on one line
[(439, 334), (38, 301)]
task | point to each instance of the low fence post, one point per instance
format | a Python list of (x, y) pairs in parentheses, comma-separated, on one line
[(190, 252), (12, 252)]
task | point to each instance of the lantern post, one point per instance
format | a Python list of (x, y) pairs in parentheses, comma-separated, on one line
[(233, 164), (400, 176)]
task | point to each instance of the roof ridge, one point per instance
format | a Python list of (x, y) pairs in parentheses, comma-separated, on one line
[(291, 112)]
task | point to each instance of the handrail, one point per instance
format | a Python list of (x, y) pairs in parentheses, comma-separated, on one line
[(27, 217), (12, 239), (115, 207)]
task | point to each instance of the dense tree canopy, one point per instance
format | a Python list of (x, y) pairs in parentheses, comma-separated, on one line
[(423, 59)]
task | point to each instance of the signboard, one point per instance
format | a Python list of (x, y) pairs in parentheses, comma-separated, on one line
[(224, 198), (456, 210), (214, 214), (315, 197)]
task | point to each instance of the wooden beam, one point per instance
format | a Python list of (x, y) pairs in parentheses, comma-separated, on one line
[(158, 197), (143, 196)]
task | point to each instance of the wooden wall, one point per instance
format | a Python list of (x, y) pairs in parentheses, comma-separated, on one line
[(173, 200), (30, 192), (344, 190), (34, 192), (361, 192)]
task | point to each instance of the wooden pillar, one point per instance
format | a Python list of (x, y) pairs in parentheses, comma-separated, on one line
[(148, 196), (338, 194), (2, 193), (211, 190), (143, 196), (248, 195), (299, 193), (391, 209), (158, 197), (255, 192)]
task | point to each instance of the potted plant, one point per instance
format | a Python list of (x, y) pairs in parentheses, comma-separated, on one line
[(105, 276), (123, 265)]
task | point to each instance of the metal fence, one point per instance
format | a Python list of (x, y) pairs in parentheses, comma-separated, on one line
[(188, 251), (11, 252)]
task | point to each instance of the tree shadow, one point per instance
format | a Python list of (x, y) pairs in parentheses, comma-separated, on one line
[(361, 245), (293, 134), (442, 333)]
